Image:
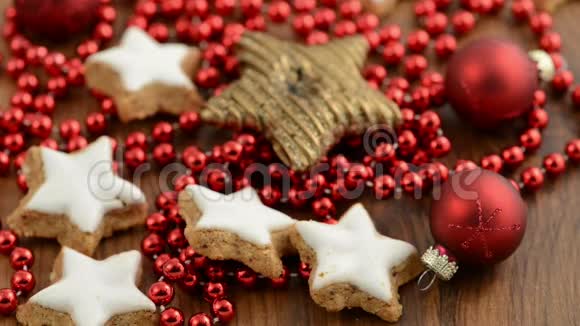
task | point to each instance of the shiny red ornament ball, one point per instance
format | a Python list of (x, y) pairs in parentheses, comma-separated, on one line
[(479, 217), (8, 241), (56, 19), (490, 81)]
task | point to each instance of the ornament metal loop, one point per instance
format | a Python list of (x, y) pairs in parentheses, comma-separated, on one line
[(424, 277)]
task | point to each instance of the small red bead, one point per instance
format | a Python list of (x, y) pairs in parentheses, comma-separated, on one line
[(23, 281), (412, 183), (465, 165), (76, 143), (164, 154), (200, 319), (208, 77), (425, 8), (28, 82), (279, 11), (384, 186), (251, 8), (551, 42), (153, 244), (96, 123), (171, 317), (183, 181), (463, 22), (532, 178), (415, 65), (8, 241), (492, 162), (213, 291), (281, 281), (13, 142), (194, 159), (20, 258), (8, 302), (21, 182), (323, 208), (103, 32), (162, 132), (575, 95), (223, 310), (420, 98), (176, 239), (246, 277), (523, 9), (393, 52), (161, 293), (304, 271), (513, 156), (198, 8), (417, 41), (173, 270), (573, 150), (555, 164), (436, 24), (563, 80), (541, 22), (159, 31), (156, 222), (269, 195), (136, 139), (407, 142), (69, 128), (5, 163), (538, 118), (159, 262), (531, 139), (390, 33)]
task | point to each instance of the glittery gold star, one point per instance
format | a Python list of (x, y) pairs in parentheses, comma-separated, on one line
[(304, 99)]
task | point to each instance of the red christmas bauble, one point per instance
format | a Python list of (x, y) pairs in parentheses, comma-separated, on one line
[(479, 217), (56, 19), (490, 81)]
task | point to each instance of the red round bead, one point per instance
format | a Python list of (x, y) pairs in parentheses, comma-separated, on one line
[(23, 281), (164, 154), (531, 139), (269, 195), (8, 241), (173, 269), (573, 150), (513, 156), (279, 11), (412, 183), (76, 143), (555, 164), (415, 65), (194, 159), (304, 271), (323, 207), (5, 163), (161, 293), (213, 291), (246, 277), (160, 262), (562, 80), (13, 142), (445, 45), (463, 21), (200, 319), (281, 281), (134, 157), (417, 41), (436, 24), (162, 132), (393, 52), (21, 257), (189, 121), (171, 317), (538, 118), (136, 139), (384, 186), (96, 123), (152, 244), (223, 310), (532, 178), (492, 162), (8, 302)]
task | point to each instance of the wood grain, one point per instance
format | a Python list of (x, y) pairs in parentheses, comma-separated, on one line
[(537, 286)]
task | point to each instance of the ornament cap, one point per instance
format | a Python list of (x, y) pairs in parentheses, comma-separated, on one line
[(438, 260)]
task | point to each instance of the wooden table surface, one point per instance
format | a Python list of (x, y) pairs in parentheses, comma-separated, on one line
[(536, 286)]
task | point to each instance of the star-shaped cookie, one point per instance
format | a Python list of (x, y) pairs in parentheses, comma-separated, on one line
[(304, 99), (76, 198), (236, 226), (88, 292), (355, 266), (145, 77)]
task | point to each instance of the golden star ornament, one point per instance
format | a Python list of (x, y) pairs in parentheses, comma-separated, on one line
[(304, 99)]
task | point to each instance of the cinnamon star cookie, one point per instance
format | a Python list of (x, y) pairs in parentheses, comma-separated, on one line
[(76, 198), (88, 292), (236, 226), (145, 77), (355, 266)]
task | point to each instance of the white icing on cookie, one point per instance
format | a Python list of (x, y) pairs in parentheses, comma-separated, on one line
[(241, 213), (82, 185), (353, 252), (92, 291), (140, 60)]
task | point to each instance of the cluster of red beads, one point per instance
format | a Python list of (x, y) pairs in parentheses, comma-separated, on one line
[(22, 281), (33, 104)]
